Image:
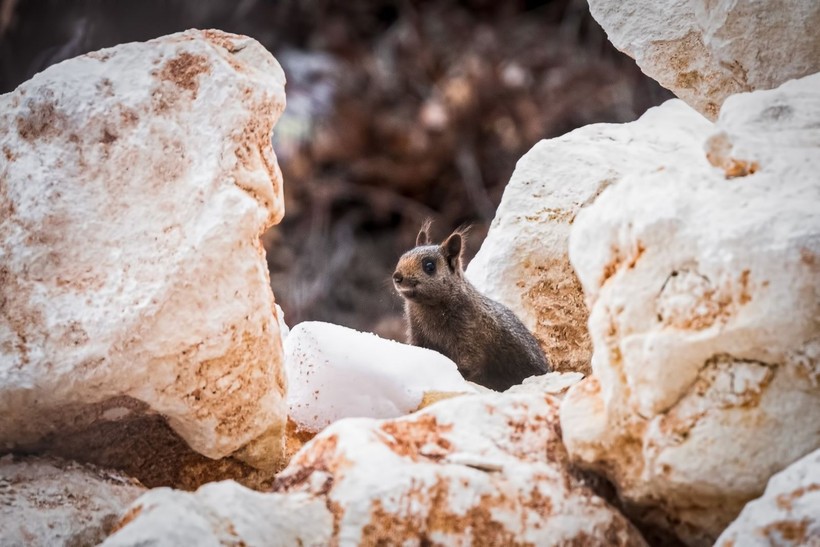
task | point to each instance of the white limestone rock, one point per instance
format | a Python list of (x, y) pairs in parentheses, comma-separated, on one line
[(704, 287), (284, 330), (524, 261), (554, 383), (135, 184), (788, 513), (478, 470), (705, 51), (223, 513), (335, 372), (46, 501), (772, 131)]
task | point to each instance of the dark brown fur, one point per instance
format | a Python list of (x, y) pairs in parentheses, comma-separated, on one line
[(447, 314)]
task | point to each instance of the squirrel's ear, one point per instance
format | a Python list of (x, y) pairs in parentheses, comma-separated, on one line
[(451, 249), (424, 233)]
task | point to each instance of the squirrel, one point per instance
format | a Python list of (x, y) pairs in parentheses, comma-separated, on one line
[(445, 313)]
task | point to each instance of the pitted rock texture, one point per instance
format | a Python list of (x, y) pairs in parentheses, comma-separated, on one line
[(135, 184), (705, 51), (473, 470), (47, 501), (223, 513), (704, 290), (524, 260), (787, 514)]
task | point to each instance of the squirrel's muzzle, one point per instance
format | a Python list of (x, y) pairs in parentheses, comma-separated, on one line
[(403, 282)]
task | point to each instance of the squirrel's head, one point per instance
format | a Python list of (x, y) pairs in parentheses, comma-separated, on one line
[(430, 273)]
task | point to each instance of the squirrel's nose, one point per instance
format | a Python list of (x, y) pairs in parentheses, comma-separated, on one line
[(398, 278)]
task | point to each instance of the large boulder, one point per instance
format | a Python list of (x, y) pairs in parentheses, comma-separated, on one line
[(477, 470), (46, 501), (134, 186), (703, 280), (705, 50), (483, 470), (786, 515), (524, 261)]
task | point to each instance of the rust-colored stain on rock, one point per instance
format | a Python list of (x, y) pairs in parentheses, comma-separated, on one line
[(433, 397), (101, 56), (295, 438), (552, 214), (793, 531), (618, 259), (734, 168), (744, 297), (715, 304), (22, 319), (214, 397), (407, 437), (718, 152), (224, 40), (322, 456), (716, 384), (639, 250), (184, 70), (392, 528), (784, 501), (43, 120), (612, 266), (539, 503), (691, 79), (126, 519), (694, 81), (254, 151), (810, 258)]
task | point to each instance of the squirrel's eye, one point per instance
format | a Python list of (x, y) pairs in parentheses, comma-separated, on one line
[(429, 266)]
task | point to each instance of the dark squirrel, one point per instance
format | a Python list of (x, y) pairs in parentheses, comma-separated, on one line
[(447, 314)]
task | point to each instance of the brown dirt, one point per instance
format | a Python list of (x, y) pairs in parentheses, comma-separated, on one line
[(146, 448)]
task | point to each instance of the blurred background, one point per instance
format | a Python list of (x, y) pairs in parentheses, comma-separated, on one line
[(397, 111)]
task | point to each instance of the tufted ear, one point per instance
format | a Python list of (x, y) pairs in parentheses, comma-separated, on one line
[(452, 249), (424, 233)]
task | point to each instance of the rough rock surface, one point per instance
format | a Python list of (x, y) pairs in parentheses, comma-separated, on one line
[(524, 261), (335, 372), (223, 513), (46, 501), (554, 383), (788, 513), (703, 281), (480, 470), (705, 51), (134, 186)]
